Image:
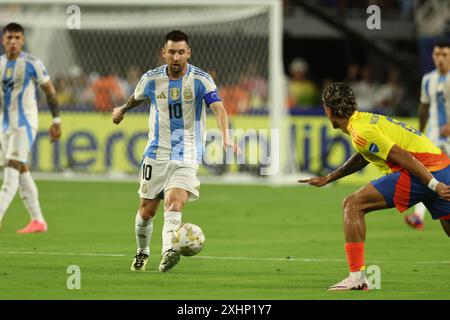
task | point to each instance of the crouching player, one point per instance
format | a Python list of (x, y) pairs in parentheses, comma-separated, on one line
[(416, 171)]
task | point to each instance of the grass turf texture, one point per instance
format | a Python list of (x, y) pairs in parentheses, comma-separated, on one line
[(301, 226)]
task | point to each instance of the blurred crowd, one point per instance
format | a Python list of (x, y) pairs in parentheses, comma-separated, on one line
[(383, 96), (247, 92), (248, 95), (101, 92), (94, 91)]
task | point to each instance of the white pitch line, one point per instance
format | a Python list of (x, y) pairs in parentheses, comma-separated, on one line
[(227, 258), (65, 253)]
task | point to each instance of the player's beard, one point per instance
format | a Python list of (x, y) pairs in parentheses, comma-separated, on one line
[(176, 69)]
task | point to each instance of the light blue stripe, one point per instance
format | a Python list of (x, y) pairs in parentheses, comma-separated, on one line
[(23, 121), (199, 89), (442, 115), (176, 124), (427, 87), (7, 91), (149, 91)]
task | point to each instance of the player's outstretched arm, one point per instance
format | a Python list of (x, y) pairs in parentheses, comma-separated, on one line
[(50, 92), (222, 121), (119, 112), (404, 159), (355, 163)]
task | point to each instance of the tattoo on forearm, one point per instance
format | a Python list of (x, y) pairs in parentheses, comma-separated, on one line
[(53, 105), (355, 163), (131, 103)]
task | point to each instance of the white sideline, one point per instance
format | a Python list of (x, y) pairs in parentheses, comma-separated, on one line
[(225, 258)]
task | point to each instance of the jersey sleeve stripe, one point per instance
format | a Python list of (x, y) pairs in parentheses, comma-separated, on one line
[(358, 140)]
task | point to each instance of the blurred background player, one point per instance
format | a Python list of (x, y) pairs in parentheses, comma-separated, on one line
[(20, 74), (416, 170), (178, 93), (434, 110)]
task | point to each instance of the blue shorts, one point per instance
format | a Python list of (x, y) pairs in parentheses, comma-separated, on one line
[(401, 190)]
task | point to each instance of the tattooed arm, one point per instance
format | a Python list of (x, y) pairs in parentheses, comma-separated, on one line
[(119, 112), (50, 92), (355, 163)]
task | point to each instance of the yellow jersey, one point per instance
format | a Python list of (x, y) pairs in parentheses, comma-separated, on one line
[(374, 135)]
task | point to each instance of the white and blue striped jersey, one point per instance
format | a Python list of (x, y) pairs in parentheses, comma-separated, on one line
[(177, 121), (20, 79), (433, 94)]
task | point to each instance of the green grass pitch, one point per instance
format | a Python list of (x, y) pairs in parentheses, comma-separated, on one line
[(261, 243)]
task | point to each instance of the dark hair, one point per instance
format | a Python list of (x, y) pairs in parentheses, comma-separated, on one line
[(340, 98), (13, 27), (442, 43), (177, 36)]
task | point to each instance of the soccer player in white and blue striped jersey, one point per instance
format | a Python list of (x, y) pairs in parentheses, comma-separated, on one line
[(179, 93), (21, 74), (434, 113)]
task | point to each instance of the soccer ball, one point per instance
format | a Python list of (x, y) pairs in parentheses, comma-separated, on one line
[(188, 239)]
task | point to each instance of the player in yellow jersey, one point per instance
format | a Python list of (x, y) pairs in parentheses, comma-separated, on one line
[(416, 171)]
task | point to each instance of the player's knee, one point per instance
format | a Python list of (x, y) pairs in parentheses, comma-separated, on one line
[(147, 211), (351, 205), (348, 202), (174, 205)]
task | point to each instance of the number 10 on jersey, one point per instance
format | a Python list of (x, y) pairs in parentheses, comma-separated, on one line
[(175, 110)]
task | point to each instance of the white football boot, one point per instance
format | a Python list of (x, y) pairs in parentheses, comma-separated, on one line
[(350, 283), (169, 259)]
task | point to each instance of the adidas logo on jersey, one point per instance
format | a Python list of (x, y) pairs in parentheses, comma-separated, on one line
[(161, 96)]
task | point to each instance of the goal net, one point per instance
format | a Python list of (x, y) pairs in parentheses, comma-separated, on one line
[(96, 51)]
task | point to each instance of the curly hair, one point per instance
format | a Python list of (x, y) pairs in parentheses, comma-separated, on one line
[(340, 98)]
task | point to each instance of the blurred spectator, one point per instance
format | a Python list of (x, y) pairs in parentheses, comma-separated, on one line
[(389, 96), (352, 74), (107, 92), (365, 90), (301, 90), (132, 78), (326, 82), (64, 94), (256, 85), (235, 98), (81, 88)]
